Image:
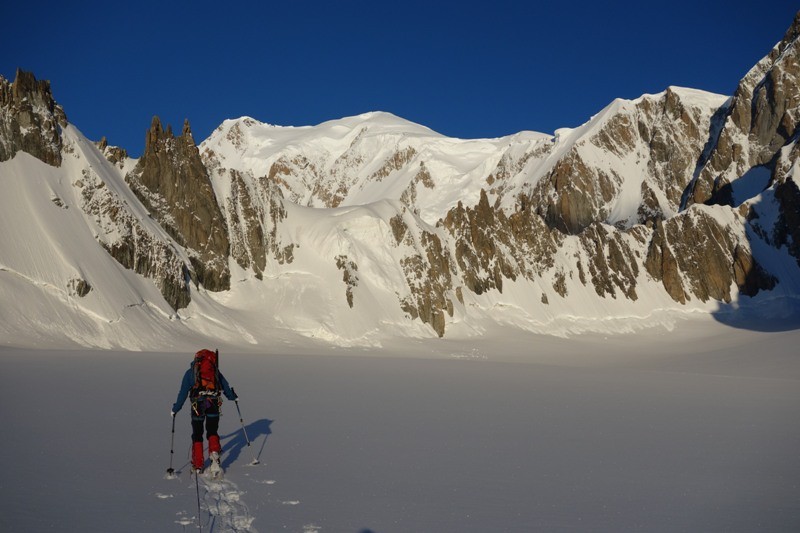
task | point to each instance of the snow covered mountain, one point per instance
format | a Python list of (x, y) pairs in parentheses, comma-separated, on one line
[(370, 227)]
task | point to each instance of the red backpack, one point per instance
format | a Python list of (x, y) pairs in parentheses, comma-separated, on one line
[(206, 373)]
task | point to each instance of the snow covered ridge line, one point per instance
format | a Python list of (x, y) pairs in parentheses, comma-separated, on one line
[(371, 227)]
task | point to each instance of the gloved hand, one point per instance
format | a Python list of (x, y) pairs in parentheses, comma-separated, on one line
[(172, 414)]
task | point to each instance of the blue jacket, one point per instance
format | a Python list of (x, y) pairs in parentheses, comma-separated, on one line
[(188, 383)]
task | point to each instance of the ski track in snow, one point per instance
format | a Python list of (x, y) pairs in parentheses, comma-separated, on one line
[(227, 513), (183, 519)]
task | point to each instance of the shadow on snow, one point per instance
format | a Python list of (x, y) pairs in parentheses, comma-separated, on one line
[(233, 443)]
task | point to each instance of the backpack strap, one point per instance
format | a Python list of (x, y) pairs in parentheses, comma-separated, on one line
[(216, 371), (196, 372), (195, 390)]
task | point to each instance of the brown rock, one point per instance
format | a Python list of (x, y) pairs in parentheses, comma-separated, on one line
[(172, 182), (349, 276), (662, 265), (133, 246), (764, 114), (695, 248), (30, 119), (428, 271)]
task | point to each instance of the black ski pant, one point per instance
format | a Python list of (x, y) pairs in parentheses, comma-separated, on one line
[(205, 410)]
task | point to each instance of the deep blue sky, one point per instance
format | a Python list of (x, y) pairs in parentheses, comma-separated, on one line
[(463, 68)]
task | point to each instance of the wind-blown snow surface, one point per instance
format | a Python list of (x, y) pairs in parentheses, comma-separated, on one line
[(689, 430)]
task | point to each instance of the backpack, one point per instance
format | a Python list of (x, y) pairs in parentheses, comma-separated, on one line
[(206, 373)]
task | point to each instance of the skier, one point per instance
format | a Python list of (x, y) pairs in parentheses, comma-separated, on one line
[(202, 384)]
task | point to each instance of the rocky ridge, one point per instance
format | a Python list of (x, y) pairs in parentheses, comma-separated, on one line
[(30, 120), (761, 119), (645, 198), (172, 182)]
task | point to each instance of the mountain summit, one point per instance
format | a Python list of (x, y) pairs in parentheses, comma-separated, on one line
[(372, 227)]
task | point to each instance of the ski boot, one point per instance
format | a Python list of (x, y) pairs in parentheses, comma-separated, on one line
[(198, 457), (214, 469), (214, 448)]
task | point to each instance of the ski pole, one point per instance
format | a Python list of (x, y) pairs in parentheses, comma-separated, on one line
[(244, 430), (197, 486), (241, 421), (170, 470)]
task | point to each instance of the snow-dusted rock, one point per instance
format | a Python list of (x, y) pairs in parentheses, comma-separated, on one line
[(372, 226)]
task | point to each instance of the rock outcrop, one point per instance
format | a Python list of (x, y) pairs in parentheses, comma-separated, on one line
[(132, 245), (762, 118), (696, 255), (172, 182), (114, 154), (30, 120), (428, 270), (254, 211), (651, 144)]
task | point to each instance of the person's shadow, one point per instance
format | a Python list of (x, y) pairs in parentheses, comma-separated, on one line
[(235, 442)]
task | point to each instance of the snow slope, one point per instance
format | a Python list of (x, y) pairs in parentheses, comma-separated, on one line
[(354, 151), (52, 241)]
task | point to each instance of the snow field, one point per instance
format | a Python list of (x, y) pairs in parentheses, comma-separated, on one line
[(685, 430)]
